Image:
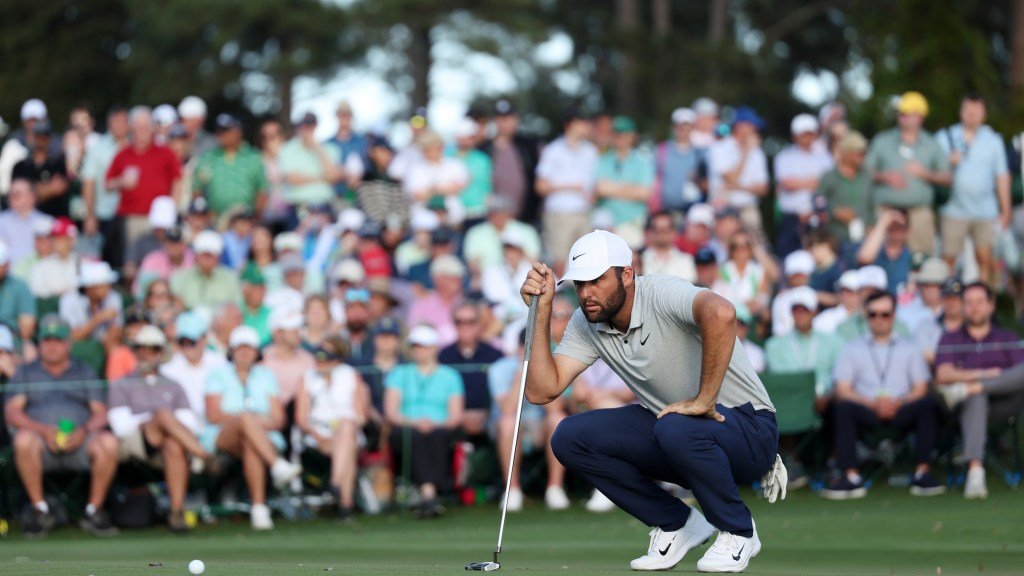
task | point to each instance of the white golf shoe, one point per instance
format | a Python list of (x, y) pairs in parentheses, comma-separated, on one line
[(555, 498), (975, 487), (599, 502), (283, 472), (259, 517), (668, 548), (515, 500), (730, 553)]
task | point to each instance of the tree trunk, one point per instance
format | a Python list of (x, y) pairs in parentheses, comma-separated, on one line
[(628, 16), (661, 11), (420, 60), (1017, 47), (285, 85), (717, 23)]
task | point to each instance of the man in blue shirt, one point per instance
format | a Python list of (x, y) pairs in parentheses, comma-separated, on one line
[(349, 142), (981, 185), (681, 166)]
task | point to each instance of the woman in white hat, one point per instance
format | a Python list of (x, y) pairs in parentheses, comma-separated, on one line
[(96, 313), (245, 418)]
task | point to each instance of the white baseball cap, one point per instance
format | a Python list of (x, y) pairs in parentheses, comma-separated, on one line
[(163, 213), (447, 265), (849, 280), (873, 277), (803, 296), (244, 336), (33, 109), (803, 123), (350, 220), (594, 253), (799, 262), (467, 127), (423, 220), (701, 214), (192, 107), (705, 106), (933, 271), (208, 242), (683, 116), (165, 115), (286, 318), (288, 241), (423, 335), (96, 274), (513, 237), (150, 335), (349, 270)]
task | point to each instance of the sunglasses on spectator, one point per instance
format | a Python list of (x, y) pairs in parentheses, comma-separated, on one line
[(357, 295), (153, 349), (739, 245), (883, 315), (325, 356), (187, 342), (465, 321)]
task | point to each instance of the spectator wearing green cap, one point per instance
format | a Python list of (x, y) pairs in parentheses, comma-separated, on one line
[(625, 178), (231, 174), (60, 427), (254, 312)]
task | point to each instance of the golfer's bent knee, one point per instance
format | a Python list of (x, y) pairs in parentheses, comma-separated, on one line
[(563, 441)]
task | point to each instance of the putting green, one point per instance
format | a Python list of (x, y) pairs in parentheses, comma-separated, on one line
[(888, 533)]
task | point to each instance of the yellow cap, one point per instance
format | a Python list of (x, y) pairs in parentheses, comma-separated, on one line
[(913, 103)]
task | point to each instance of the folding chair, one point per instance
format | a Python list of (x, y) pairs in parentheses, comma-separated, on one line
[(92, 353), (793, 395)]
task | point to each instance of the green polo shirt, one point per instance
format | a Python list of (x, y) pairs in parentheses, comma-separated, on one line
[(842, 192), (636, 169), (229, 180), (258, 321), (887, 153), (199, 291), (796, 352), (474, 195), (297, 159), (16, 300)]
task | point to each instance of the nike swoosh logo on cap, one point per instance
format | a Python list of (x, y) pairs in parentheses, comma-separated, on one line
[(577, 256)]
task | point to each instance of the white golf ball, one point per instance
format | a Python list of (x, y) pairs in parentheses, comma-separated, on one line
[(196, 567)]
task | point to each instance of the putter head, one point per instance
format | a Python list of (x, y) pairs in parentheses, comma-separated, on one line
[(483, 566)]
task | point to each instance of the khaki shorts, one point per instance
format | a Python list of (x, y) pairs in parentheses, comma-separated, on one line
[(135, 447), (561, 231), (955, 232)]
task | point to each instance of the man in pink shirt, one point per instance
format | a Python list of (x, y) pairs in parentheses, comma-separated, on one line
[(285, 356), (437, 307), (161, 264)]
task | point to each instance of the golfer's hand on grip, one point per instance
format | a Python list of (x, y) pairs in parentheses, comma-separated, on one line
[(539, 282)]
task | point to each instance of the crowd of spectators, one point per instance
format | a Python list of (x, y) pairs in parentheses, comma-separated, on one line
[(170, 295)]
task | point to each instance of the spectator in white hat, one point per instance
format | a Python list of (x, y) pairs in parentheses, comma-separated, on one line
[(661, 255), (173, 256), (207, 284), (348, 273), (681, 170), (416, 249), (163, 216), (151, 416), (429, 418), (96, 313), (705, 126), (245, 416), (871, 279), (926, 287), (448, 274), (192, 111), (797, 267), (285, 357), (164, 116), (291, 293), (798, 169), (478, 167), (193, 360), (500, 283), (47, 170), (43, 245), (20, 221), (57, 274), (804, 348), (435, 181), (309, 169), (483, 246), (699, 229), (18, 146), (847, 290)]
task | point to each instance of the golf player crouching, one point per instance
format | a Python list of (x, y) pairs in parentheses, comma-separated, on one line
[(704, 420)]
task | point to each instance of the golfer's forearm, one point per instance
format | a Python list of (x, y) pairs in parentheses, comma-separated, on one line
[(716, 318), (542, 377)]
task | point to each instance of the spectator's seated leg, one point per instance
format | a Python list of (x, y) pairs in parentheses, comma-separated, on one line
[(554, 497), (28, 458), (344, 448)]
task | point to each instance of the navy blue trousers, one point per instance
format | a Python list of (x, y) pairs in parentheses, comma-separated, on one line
[(624, 452)]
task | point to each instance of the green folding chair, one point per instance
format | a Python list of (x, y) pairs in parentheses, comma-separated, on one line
[(92, 353), (793, 395)]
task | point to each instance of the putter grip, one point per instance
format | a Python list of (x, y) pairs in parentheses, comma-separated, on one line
[(531, 325)]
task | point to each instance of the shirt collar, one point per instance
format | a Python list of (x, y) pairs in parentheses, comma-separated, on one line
[(636, 317)]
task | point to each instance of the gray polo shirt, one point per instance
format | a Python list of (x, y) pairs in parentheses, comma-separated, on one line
[(147, 395), (51, 398), (659, 356), (880, 370)]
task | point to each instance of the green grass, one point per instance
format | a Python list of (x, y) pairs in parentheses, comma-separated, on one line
[(888, 533)]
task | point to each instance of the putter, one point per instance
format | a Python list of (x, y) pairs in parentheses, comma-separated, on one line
[(531, 321)]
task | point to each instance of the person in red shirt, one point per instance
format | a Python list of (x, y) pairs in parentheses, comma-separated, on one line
[(142, 172)]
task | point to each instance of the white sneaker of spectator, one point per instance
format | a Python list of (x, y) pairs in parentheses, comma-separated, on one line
[(283, 471), (515, 500), (599, 502), (259, 516), (555, 498), (975, 487)]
